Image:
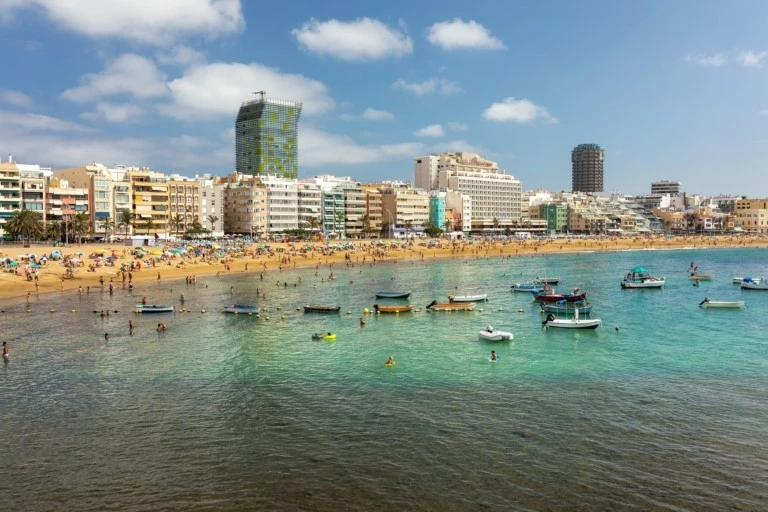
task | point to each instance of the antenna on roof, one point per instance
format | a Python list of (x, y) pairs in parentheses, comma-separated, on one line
[(263, 93)]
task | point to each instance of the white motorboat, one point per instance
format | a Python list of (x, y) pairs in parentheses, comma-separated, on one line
[(526, 287), (468, 298), (754, 284), (733, 304), (491, 334), (572, 323), (153, 308), (639, 277), (246, 309)]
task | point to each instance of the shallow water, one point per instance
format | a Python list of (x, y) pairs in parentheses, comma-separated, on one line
[(663, 408)]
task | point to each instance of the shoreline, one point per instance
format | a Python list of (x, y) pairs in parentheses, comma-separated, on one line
[(286, 256)]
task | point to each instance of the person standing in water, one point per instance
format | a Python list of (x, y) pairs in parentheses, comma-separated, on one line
[(6, 353)]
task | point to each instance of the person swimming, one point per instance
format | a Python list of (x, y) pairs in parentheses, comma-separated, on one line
[(390, 361), (494, 356)]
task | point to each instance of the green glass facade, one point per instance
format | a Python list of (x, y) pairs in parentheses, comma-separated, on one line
[(266, 138)]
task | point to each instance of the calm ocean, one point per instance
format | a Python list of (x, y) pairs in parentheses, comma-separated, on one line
[(663, 408)]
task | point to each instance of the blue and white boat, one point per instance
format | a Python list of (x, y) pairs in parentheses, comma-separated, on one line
[(241, 309), (381, 294), (526, 287)]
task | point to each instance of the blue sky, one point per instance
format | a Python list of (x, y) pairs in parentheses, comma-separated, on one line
[(672, 90)]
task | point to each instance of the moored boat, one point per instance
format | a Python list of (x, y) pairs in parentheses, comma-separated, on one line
[(320, 308), (567, 308), (381, 294), (451, 306), (702, 277), (153, 308), (733, 304), (491, 334), (556, 297), (754, 284), (571, 323), (392, 309), (546, 280), (241, 309), (468, 298), (639, 277), (526, 287)]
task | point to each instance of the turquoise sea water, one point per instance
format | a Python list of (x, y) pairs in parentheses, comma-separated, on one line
[(663, 408)]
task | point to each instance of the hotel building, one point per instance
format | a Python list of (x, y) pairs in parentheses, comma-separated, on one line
[(587, 167)]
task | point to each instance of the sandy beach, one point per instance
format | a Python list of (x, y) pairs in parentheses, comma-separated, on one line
[(20, 279)]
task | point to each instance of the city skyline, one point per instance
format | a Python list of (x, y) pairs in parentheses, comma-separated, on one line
[(141, 85)]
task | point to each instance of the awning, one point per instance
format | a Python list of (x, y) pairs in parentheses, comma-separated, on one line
[(159, 189)]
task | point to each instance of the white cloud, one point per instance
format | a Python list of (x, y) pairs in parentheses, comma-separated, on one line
[(458, 34), (114, 113), (517, 111), (359, 40), (26, 122), (429, 86), (16, 98), (128, 74), (433, 130), (752, 59), (318, 148), (457, 126), (370, 114), (217, 89), (182, 56), (701, 59), (147, 21)]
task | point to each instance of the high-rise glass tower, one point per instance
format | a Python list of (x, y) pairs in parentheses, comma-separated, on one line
[(266, 137), (587, 168)]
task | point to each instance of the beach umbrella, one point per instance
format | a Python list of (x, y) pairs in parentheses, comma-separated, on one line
[(157, 253), (32, 256)]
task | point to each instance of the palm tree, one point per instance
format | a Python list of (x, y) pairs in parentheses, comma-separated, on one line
[(109, 225), (408, 225), (24, 224), (53, 231), (495, 224), (149, 224), (340, 222), (80, 223), (177, 220), (313, 223), (212, 219), (127, 218), (447, 225)]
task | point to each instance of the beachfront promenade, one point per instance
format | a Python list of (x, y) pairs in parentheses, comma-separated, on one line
[(161, 263)]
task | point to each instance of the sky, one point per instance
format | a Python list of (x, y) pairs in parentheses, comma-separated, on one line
[(670, 89)]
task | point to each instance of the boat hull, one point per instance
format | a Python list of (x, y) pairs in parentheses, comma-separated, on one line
[(451, 306), (468, 298), (321, 309), (392, 310), (573, 323), (144, 308), (702, 277), (657, 283), (547, 280), (736, 304), (495, 336), (392, 295), (560, 310), (525, 287), (754, 286), (554, 297)]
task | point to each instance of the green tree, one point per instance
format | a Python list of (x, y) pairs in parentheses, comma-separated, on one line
[(408, 225), (127, 220), (212, 219), (24, 224), (149, 225), (176, 221), (447, 225), (495, 225), (109, 226), (80, 225), (53, 231)]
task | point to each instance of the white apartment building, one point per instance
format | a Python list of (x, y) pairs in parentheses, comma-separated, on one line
[(310, 205), (403, 206), (461, 204), (666, 187), (10, 191), (496, 196), (282, 204)]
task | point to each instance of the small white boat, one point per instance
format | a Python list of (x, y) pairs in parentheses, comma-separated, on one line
[(491, 334), (153, 308), (754, 284), (468, 298), (639, 277), (526, 287), (734, 304), (702, 277), (572, 323), (547, 280), (737, 280)]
